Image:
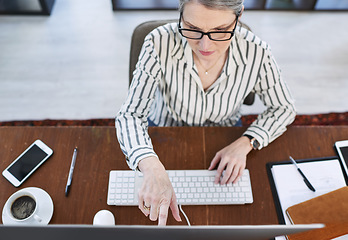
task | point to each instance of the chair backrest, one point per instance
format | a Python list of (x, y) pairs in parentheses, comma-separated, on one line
[(137, 41)]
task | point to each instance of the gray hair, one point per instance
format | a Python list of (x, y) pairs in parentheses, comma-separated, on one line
[(235, 5)]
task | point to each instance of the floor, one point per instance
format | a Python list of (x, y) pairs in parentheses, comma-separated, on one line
[(74, 63)]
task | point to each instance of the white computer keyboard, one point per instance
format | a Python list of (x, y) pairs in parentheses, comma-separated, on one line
[(192, 187)]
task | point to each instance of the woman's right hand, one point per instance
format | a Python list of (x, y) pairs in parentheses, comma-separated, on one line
[(156, 195)]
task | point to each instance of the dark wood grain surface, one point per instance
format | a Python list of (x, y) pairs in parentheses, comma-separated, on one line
[(177, 147)]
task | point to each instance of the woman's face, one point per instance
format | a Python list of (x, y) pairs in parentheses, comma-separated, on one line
[(197, 17)]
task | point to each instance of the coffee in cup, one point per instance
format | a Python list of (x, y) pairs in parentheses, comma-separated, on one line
[(23, 207)]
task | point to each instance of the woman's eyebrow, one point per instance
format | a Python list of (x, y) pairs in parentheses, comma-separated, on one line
[(191, 25), (223, 26)]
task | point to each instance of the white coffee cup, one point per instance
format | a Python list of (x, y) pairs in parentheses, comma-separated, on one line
[(22, 208)]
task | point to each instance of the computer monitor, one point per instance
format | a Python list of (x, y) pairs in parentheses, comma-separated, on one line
[(132, 232)]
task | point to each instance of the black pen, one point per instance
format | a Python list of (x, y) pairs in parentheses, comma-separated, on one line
[(309, 185), (71, 171)]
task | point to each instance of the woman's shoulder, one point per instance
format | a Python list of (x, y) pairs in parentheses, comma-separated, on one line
[(166, 31), (166, 39), (245, 36)]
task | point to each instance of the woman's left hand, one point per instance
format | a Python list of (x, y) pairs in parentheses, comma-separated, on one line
[(232, 159)]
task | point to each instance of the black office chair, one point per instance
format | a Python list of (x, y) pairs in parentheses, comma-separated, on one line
[(138, 37)]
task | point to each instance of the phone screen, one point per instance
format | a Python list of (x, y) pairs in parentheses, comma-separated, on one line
[(27, 162), (344, 151)]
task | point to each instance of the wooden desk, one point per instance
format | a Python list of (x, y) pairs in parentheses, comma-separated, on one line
[(177, 147)]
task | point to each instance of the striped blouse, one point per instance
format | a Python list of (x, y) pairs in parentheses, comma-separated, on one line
[(166, 89)]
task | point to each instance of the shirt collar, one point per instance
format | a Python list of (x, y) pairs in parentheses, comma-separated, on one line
[(236, 53), (182, 50)]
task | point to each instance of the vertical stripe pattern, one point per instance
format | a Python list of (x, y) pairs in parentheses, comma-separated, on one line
[(166, 89)]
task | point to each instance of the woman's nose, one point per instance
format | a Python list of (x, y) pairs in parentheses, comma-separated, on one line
[(205, 42)]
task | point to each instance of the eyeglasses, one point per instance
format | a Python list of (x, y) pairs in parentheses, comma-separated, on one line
[(213, 35)]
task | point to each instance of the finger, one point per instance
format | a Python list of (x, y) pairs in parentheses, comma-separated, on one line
[(141, 205), (145, 211), (154, 212), (219, 172), (233, 179), (215, 161), (163, 214), (175, 209), (144, 203), (239, 175), (235, 174), (146, 207), (227, 174)]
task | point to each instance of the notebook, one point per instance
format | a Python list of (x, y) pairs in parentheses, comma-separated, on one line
[(330, 209)]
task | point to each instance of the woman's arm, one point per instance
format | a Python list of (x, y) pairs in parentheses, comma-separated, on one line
[(269, 125), (156, 195), (276, 96), (131, 121)]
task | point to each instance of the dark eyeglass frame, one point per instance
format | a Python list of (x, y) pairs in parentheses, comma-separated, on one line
[(207, 33)]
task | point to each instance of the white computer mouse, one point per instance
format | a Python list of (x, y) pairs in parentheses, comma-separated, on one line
[(104, 218)]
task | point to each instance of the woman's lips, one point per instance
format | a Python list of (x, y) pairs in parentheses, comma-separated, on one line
[(206, 53)]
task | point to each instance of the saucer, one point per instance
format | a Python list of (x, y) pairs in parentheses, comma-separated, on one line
[(45, 210)]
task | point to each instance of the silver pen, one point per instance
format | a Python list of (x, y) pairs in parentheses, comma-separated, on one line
[(71, 171)]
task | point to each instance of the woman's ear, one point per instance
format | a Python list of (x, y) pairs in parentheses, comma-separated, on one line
[(241, 13)]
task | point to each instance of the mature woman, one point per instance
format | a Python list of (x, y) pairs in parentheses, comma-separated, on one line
[(197, 73)]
